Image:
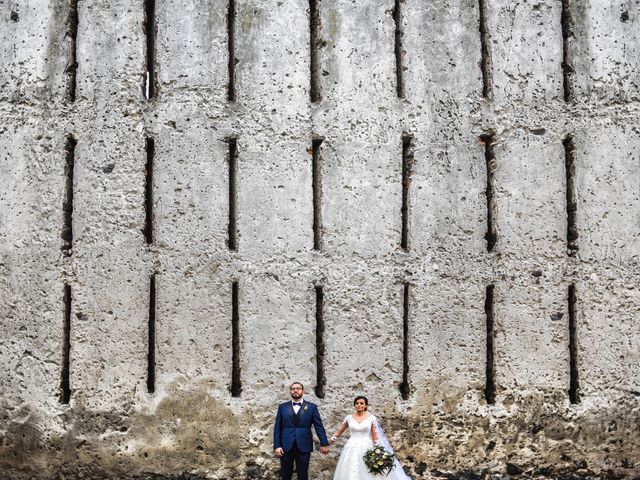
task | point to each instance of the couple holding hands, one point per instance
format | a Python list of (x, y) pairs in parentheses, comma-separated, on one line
[(293, 442)]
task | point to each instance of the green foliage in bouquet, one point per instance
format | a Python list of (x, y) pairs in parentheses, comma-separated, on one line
[(379, 461)]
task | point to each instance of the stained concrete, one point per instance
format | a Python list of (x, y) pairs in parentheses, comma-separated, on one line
[(191, 426)]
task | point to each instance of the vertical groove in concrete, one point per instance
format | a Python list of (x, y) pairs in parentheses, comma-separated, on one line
[(485, 59), (151, 336), (314, 41), (236, 380), (232, 240), (405, 389), (574, 385), (567, 61), (405, 211), (572, 203), (320, 343), (231, 43), (491, 236), (67, 203), (398, 48), (490, 386), (150, 33), (65, 384), (148, 189), (72, 64), (316, 180)]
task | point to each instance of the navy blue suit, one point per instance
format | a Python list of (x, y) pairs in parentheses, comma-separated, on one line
[(292, 433)]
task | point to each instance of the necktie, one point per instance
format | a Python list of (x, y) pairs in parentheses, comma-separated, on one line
[(297, 404)]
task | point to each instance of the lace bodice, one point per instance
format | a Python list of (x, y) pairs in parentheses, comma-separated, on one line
[(360, 430)]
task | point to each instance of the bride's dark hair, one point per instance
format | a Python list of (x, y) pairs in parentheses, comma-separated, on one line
[(361, 397)]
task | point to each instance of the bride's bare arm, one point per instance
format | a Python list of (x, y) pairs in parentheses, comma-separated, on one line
[(374, 433), (340, 431)]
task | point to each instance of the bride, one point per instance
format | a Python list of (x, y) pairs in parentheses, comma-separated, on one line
[(365, 433)]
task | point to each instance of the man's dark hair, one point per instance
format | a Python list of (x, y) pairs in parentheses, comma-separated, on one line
[(296, 383)]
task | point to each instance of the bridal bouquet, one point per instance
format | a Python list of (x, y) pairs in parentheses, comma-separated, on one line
[(379, 460)]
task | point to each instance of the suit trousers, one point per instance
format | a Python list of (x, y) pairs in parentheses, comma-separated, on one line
[(301, 459)]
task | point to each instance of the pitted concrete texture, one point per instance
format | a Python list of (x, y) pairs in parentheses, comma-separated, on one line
[(191, 426)]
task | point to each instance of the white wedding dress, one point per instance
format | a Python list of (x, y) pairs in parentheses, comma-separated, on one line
[(351, 464)]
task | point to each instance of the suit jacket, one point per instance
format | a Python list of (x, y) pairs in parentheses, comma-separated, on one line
[(291, 428)]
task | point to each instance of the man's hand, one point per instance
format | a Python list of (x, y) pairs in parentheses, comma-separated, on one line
[(324, 450), (279, 452)]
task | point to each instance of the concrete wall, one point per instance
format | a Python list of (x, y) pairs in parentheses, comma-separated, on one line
[(113, 427)]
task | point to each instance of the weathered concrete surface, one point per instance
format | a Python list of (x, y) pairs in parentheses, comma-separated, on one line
[(191, 427)]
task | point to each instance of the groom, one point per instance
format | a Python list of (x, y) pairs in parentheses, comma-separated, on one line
[(292, 439)]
